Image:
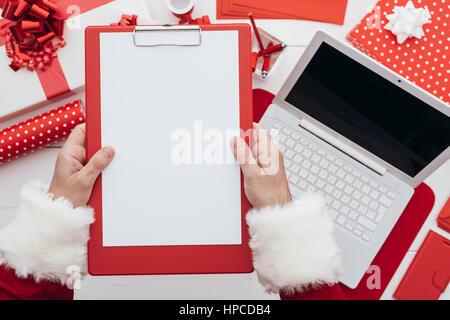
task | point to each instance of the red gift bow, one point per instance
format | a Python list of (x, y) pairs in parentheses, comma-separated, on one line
[(126, 20), (36, 133), (33, 26), (52, 79), (186, 18)]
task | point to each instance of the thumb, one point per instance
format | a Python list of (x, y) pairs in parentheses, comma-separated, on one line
[(244, 156), (99, 161)]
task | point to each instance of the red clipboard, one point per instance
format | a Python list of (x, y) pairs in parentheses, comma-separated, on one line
[(162, 259)]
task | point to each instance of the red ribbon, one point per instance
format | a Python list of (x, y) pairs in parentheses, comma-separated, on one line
[(186, 18), (33, 26), (4, 30)]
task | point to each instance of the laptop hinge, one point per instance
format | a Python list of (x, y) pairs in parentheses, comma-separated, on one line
[(356, 155)]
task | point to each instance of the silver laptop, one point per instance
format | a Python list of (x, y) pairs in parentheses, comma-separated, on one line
[(362, 137)]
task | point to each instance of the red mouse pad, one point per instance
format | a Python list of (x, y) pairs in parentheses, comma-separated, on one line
[(394, 248)]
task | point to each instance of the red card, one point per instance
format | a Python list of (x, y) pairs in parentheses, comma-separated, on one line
[(429, 272), (332, 11), (226, 9)]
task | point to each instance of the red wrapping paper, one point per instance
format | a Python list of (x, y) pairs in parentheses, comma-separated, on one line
[(39, 132)]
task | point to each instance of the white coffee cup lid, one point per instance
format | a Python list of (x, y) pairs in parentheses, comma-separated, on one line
[(180, 6)]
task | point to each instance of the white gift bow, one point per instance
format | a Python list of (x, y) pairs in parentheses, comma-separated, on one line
[(408, 21)]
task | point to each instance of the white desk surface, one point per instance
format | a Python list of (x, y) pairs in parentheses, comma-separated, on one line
[(40, 165)]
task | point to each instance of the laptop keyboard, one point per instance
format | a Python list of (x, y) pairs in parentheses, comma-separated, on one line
[(356, 202)]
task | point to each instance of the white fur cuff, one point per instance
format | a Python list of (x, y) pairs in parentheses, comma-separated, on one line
[(47, 238), (293, 246)]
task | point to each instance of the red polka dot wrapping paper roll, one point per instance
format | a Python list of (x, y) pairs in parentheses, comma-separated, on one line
[(425, 61), (39, 132)]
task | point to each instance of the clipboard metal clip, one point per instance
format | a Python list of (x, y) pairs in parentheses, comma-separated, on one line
[(167, 35)]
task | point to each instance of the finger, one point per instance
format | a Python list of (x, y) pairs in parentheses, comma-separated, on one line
[(272, 149), (264, 161), (74, 145), (77, 136), (244, 157), (255, 133), (269, 156), (254, 141), (99, 161), (276, 158), (259, 131), (263, 146)]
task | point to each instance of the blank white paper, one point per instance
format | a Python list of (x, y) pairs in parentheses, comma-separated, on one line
[(146, 94)]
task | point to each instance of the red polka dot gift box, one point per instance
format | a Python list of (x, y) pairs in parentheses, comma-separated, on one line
[(423, 57), (34, 134)]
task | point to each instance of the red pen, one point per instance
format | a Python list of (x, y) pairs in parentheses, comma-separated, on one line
[(258, 37), (266, 66), (266, 63), (272, 49)]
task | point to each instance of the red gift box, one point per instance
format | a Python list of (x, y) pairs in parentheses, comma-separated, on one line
[(23, 90), (422, 61)]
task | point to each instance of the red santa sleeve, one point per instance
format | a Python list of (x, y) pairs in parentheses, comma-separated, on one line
[(294, 251), (44, 248), (13, 287)]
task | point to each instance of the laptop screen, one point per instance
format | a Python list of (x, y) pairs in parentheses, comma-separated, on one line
[(371, 111)]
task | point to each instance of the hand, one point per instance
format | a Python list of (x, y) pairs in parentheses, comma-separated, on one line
[(72, 179), (265, 179)]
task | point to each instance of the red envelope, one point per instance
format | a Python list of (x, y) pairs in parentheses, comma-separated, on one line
[(443, 219), (332, 11), (226, 10), (429, 273)]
